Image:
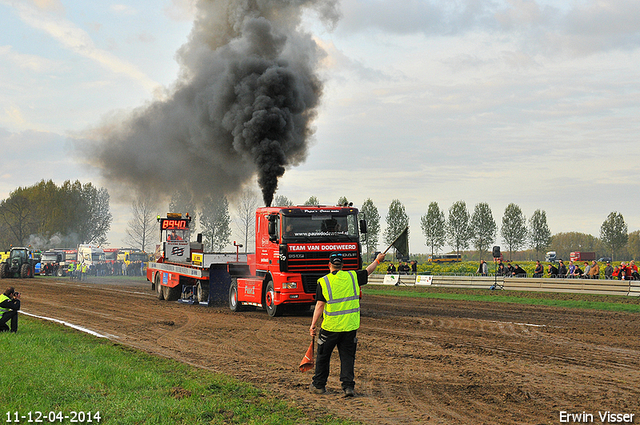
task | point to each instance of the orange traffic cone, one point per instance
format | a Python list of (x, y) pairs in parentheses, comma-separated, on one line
[(307, 360)]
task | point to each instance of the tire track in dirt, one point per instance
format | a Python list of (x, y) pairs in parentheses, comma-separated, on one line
[(419, 361)]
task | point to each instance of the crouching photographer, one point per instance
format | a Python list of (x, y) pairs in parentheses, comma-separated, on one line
[(9, 306)]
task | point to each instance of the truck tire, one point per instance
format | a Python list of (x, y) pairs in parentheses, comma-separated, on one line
[(269, 301), (59, 272), (25, 271), (4, 270), (172, 294), (159, 292), (202, 292), (234, 304)]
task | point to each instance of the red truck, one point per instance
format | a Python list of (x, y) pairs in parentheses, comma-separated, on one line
[(582, 256), (293, 245)]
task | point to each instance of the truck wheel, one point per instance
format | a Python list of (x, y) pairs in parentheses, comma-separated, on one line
[(202, 292), (269, 301), (234, 304), (60, 272), (25, 271), (172, 294), (4, 270), (159, 291)]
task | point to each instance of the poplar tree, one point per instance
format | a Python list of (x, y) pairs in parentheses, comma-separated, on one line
[(433, 227), (483, 228), (613, 233), (539, 233), (311, 201), (514, 228), (281, 201), (458, 226), (397, 220), (370, 213)]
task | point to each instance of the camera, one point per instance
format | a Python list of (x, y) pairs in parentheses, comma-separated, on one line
[(16, 294)]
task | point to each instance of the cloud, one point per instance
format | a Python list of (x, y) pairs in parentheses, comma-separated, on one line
[(35, 155), (15, 115), (25, 61), (582, 28), (49, 5), (181, 10), (79, 41), (122, 9)]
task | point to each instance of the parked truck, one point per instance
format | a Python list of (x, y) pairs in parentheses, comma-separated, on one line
[(51, 260), (110, 255), (292, 243), (90, 255), (582, 256), (70, 259)]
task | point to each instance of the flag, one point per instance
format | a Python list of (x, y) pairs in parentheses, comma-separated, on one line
[(401, 244)]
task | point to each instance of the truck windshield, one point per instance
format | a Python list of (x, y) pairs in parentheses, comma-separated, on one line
[(176, 235), (111, 255), (320, 227), (138, 256), (49, 257), (97, 257)]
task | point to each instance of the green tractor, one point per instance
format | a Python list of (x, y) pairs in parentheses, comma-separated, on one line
[(19, 264)]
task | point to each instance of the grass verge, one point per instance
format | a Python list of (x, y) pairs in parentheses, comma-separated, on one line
[(49, 368), (584, 301)]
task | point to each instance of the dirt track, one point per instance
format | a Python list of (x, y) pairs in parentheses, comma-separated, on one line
[(419, 361)]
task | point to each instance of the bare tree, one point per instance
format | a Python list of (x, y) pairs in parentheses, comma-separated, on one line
[(246, 215), (182, 202), (143, 223), (215, 220)]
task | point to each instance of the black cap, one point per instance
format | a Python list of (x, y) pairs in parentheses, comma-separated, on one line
[(335, 258)]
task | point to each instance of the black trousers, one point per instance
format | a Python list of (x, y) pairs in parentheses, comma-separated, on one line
[(347, 343), (9, 315)]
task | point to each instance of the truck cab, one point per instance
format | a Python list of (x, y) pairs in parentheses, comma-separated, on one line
[(90, 255), (293, 245)]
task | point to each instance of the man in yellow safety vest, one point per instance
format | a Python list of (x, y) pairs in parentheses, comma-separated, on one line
[(9, 306), (338, 302)]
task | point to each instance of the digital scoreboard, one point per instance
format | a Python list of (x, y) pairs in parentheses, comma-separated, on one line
[(174, 223)]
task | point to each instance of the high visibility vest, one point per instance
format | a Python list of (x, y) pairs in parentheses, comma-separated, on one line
[(342, 309), (4, 298)]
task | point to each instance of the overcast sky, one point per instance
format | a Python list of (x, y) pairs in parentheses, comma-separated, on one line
[(535, 103)]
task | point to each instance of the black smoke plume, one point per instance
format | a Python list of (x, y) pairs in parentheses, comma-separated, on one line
[(243, 104)]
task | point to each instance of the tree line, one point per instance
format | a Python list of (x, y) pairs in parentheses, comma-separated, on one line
[(48, 215)]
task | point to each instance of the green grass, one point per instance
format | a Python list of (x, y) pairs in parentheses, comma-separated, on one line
[(584, 301), (47, 367)]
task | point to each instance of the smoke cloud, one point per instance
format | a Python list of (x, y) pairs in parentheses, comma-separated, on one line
[(242, 107)]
